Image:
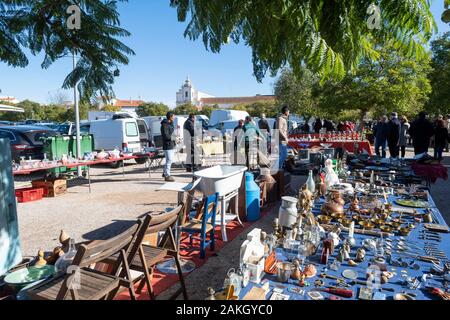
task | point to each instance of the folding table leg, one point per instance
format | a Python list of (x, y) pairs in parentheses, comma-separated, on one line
[(236, 208), (223, 226), (89, 177)]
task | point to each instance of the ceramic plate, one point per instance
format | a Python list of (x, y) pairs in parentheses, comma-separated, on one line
[(350, 274), (412, 203), (29, 275)]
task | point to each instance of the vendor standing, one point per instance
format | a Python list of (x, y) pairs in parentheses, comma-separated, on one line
[(380, 132), (237, 137), (393, 137), (189, 142), (421, 132), (252, 136), (282, 126), (168, 140), (264, 126)]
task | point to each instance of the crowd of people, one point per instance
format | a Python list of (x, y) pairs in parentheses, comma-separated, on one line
[(396, 132), (393, 134), (325, 125)]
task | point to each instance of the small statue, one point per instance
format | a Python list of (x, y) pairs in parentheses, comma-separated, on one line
[(343, 255), (347, 245), (305, 198), (354, 207), (40, 260), (296, 274), (360, 255), (276, 228), (211, 294)]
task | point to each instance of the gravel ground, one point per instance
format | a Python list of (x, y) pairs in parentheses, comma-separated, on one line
[(116, 201)]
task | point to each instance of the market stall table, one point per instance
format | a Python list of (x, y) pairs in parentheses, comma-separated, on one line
[(349, 146), (85, 163), (413, 267)]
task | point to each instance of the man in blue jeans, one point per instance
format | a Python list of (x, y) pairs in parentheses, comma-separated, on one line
[(168, 139), (283, 134)]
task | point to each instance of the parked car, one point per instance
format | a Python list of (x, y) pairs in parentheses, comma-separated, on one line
[(26, 141), (124, 133)]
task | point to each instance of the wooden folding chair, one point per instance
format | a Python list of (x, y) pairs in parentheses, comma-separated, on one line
[(149, 256), (83, 283)]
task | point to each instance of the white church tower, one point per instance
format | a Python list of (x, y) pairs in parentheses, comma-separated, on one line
[(188, 94)]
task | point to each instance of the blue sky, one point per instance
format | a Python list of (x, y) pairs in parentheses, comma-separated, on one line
[(163, 60)]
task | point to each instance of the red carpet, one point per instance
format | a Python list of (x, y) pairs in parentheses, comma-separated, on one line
[(162, 281)]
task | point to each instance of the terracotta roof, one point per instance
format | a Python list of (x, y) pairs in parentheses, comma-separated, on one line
[(128, 103), (237, 100)]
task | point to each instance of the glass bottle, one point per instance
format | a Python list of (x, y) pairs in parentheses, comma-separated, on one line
[(66, 259), (310, 182)]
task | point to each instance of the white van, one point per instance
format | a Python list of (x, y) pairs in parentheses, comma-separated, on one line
[(122, 133), (218, 116), (154, 127)]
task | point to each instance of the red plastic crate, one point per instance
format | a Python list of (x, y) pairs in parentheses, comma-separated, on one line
[(29, 194)]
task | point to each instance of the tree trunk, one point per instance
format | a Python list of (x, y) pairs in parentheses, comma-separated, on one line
[(363, 115)]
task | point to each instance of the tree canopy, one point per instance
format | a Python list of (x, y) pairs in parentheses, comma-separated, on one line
[(440, 76), (40, 26), (392, 83), (152, 109), (296, 91), (330, 37)]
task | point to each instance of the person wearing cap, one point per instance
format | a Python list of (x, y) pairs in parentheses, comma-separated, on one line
[(421, 132), (393, 136), (168, 139)]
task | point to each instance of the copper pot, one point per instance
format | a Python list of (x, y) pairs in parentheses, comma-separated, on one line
[(331, 207)]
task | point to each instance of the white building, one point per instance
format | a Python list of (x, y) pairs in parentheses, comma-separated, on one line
[(188, 94)]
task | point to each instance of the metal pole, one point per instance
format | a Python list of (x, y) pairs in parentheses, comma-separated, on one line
[(77, 115)]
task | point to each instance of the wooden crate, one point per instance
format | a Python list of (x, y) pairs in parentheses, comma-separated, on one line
[(52, 187)]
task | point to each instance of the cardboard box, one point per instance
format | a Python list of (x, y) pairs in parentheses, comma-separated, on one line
[(52, 187)]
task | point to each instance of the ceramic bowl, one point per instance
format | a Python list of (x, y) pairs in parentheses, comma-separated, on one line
[(346, 222), (323, 219), (404, 231), (367, 225), (386, 229), (25, 276)]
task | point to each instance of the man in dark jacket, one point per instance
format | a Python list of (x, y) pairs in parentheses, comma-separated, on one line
[(380, 132), (421, 132), (189, 142), (317, 125), (168, 139), (238, 132), (264, 126), (393, 136)]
